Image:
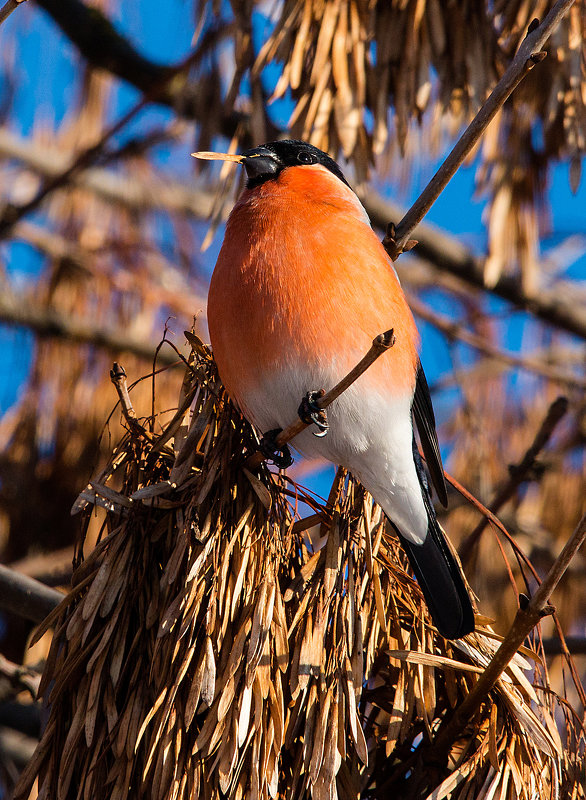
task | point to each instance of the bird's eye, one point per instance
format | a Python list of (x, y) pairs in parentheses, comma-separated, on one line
[(305, 157)]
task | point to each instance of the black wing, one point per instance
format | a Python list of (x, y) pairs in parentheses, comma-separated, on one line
[(425, 422)]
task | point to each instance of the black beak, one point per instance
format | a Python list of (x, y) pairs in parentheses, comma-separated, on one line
[(260, 162)]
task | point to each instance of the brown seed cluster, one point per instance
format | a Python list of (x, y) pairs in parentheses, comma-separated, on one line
[(208, 649)]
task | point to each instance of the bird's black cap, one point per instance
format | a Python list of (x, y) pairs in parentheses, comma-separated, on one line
[(266, 162)]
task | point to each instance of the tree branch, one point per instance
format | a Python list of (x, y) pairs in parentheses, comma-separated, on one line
[(8, 8), (455, 331), (382, 343), (449, 255), (528, 54), (104, 48), (109, 185), (25, 596), (518, 473), (17, 309)]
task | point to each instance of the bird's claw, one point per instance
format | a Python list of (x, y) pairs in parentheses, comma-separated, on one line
[(310, 413), (280, 456)]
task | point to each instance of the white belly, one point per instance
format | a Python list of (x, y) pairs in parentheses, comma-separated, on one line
[(370, 434)]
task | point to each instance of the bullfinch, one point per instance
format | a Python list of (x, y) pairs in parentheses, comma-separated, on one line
[(301, 287)]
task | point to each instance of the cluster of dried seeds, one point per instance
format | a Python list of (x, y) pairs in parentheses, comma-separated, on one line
[(206, 650)]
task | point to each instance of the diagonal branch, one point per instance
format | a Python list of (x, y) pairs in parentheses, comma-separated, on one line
[(447, 254), (524, 622), (528, 54), (8, 8), (453, 330), (17, 309), (111, 186), (25, 596), (518, 473), (382, 343), (96, 38)]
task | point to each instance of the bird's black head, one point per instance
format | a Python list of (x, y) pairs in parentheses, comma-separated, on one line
[(266, 162)]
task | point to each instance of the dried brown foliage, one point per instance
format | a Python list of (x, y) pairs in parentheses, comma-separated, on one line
[(206, 650)]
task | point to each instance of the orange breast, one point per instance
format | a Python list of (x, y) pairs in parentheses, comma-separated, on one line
[(301, 279)]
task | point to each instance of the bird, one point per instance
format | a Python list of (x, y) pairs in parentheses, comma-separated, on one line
[(301, 286)]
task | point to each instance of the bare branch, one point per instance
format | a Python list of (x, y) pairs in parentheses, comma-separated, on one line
[(52, 568), (17, 309), (8, 8), (524, 622), (527, 56), (380, 345), (25, 596), (519, 472), (109, 185), (455, 331), (118, 378), (449, 255), (104, 48)]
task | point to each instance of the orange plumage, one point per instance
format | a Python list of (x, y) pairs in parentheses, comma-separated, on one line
[(283, 283)]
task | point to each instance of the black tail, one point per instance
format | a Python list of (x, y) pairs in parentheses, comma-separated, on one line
[(437, 571), (440, 577)]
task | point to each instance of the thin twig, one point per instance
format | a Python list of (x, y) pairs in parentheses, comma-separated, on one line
[(446, 254), (528, 54), (8, 8), (380, 345), (518, 473), (12, 214), (118, 378), (25, 596), (455, 331), (525, 620)]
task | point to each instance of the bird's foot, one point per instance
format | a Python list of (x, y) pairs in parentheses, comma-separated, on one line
[(280, 456), (310, 413)]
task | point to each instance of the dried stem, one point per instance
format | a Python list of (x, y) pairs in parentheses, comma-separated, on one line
[(519, 472), (8, 8), (446, 254), (118, 378), (524, 622), (380, 345), (527, 56), (455, 331)]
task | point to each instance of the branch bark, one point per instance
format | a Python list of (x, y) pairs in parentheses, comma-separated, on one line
[(447, 254), (8, 8), (17, 309), (455, 331), (25, 596)]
